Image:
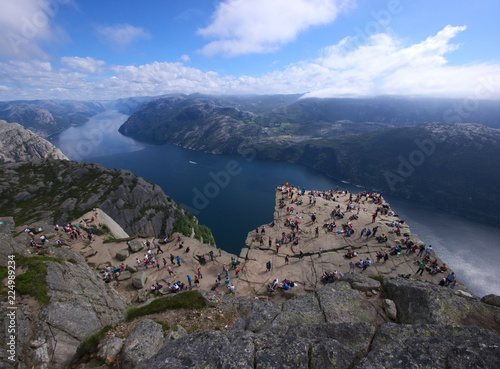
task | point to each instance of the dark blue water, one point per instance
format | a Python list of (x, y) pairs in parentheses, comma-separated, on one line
[(233, 195)]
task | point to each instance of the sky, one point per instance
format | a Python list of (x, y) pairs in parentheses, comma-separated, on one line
[(109, 49)]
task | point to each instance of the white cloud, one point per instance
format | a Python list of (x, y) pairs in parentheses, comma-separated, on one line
[(24, 23), (120, 36), (86, 65), (185, 58), (382, 66), (258, 26)]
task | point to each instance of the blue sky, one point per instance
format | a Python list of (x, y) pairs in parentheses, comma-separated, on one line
[(107, 49)]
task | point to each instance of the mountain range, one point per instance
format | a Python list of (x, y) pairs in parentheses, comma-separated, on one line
[(402, 146)]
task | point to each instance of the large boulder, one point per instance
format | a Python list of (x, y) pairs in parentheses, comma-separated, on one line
[(432, 346), (390, 309), (361, 282), (491, 300), (421, 302), (122, 255), (110, 347), (142, 343), (135, 246), (139, 280), (124, 275), (242, 349)]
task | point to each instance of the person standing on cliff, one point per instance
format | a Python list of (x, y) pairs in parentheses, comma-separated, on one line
[(421, 268), (421, 250), (268, 266), (178, 260), (286, 260), (373, 217)]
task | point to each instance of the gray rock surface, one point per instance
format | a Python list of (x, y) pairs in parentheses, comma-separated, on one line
[(139, 280), (420, 302), (124, 275), (390, 309), (361, 282), (176, 333), (131, 268), (142, 343), (444, 347), (20, 144), (491, 300), (110, 347), (80, 304), (122, 255), (135, 246)]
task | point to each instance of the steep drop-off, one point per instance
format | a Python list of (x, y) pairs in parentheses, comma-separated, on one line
[(60, 191)]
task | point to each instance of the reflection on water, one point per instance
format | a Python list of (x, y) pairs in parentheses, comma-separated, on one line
[(98, 137), (234, 203)]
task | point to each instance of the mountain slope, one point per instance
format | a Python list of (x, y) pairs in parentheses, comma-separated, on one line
[(60, 191), (46, 117), (20, 144)]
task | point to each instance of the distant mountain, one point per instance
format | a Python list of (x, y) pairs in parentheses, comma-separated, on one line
[(378, 144), (129, 105), (20, 144), (46, 117), (455, 167)]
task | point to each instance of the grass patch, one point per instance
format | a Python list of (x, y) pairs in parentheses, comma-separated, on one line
[(33, 281), (113, 240), (183, 300), (164, 325), (3, 272)]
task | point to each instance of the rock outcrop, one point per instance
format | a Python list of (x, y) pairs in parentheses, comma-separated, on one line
[(77, 304), (333, 328), (60, 191), (142, 343), (423, 303), (20, 144)]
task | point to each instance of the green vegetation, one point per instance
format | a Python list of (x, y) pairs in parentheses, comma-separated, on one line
[(33, 281), (183, 300), (3, 272), (164, 325), (185, 223), (138, 235)]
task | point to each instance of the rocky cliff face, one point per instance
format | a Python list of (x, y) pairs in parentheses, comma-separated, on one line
[(60, 191), (192, 122), (69, 304), (20, 144), (340, 327)]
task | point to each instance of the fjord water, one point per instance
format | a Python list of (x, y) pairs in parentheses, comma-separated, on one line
[(233, 195)]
